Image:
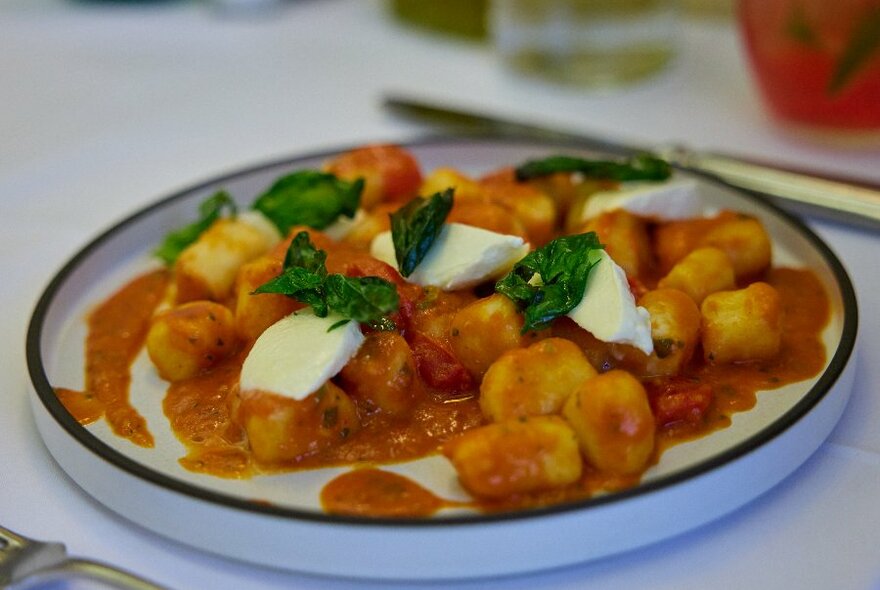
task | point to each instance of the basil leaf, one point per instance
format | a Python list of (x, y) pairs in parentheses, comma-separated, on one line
[(415, 227), (304, 277), (300, 284), (562, 268), (363, 299), (862, 47), (177, 241), (311, 198), (302, 253), (641, 167)]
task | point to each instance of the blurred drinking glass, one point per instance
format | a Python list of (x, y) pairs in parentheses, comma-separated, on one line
[(585, 42), (465, 19), (817, 62)]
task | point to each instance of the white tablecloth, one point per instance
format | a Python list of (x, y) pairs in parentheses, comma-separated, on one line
[(104, 108)]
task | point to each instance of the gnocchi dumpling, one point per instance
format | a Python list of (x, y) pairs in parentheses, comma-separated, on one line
[(533, 381), (611, 416), (742, 325), (187, 339), (281, 429), (516, 456)]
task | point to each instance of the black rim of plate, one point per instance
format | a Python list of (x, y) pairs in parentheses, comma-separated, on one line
[(93, 444)]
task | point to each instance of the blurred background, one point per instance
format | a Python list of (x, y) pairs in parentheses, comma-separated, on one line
[(184, 77)]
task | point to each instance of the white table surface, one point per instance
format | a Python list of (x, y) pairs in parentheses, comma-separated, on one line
[(105, 108)]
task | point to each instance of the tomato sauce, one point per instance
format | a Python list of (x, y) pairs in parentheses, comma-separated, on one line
[(203, 410), (376, 493)]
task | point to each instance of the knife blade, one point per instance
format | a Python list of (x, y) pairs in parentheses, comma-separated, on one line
[(799, 191)]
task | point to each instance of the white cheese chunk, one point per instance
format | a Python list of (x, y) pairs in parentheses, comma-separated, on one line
[(461, 256), (343, 225), (608, 309), (297, 354), (660, 201)]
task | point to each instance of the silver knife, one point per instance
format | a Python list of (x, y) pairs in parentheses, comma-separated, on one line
[(835, 198)]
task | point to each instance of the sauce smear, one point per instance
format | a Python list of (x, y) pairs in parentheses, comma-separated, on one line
[(201, 413), (116, 333), (377, 493)]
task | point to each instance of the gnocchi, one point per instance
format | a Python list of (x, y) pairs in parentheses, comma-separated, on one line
[(612, 420), (517, 456), (190, 338)]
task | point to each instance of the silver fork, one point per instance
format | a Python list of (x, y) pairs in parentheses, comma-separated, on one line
[(21, 558)]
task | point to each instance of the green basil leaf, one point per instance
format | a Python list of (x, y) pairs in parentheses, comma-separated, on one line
[(304, 277), (862, 47), (302, 253), (415, 227), (562, 268), (301, 284), (641, 167), (177, 241), (311, 198), (363, 299)]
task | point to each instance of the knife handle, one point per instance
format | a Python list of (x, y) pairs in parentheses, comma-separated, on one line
[(821, 196)]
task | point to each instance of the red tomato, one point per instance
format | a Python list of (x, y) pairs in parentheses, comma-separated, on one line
[(437, 366), (391, 173), (680, 400)]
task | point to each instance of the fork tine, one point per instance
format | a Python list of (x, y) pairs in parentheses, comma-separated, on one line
[(8, 539), (20, 556)]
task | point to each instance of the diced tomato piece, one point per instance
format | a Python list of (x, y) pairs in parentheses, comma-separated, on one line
[(680, 400), (393, 170), (437, 366)]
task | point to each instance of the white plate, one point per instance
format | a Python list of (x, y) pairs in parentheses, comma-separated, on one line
[(694, 483)]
